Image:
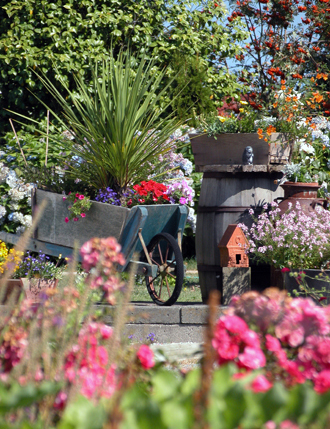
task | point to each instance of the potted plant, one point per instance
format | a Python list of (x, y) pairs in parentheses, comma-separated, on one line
[(37, 274), (9, 261), (221, 140), (295, 242)]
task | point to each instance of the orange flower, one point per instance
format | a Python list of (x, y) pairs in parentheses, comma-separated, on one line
[(270, 129), (318, 97)]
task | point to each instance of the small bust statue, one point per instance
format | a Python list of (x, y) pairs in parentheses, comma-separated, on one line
[(248, 156)]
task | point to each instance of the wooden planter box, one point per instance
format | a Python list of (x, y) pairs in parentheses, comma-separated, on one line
[(227, 149), (102, 220)]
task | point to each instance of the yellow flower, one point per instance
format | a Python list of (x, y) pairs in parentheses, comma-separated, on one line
[(222, 119), (211, 97), (245, 103), (241, 109)]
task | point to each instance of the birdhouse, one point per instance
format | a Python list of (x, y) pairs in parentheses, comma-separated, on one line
[(232, 248)]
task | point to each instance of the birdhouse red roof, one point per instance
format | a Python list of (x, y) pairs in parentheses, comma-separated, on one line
[(232, 248)]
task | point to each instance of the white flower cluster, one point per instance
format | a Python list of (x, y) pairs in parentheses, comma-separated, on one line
[(15, 196), (192, 219), (320, 130)]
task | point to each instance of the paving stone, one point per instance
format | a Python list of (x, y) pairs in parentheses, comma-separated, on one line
[(165, 333), (195, 314), (139, 313)]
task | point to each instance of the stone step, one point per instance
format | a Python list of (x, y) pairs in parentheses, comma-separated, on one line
[(180, 323)]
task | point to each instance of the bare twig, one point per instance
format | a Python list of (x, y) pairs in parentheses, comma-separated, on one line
[(19, 145), (47, 138), (201, 397)]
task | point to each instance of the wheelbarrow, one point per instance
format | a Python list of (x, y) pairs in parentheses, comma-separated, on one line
[(153, 232)]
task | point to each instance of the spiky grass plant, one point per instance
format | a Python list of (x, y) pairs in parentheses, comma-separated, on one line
[(118, 126)]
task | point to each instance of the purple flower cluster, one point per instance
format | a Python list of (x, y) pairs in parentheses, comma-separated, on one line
[(180, 192), (35, 266), (295, 239), (108, 196)]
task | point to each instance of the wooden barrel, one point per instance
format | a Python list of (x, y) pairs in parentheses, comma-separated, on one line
[(226, 199)]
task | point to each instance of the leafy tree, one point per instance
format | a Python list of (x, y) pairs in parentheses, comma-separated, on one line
[(190, 86), (288, 41), (69, 33)]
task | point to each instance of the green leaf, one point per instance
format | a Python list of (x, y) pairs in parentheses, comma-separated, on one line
[(165, 385), (83, 414)]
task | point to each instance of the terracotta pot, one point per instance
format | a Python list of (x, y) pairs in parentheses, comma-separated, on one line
[(316, 280), (34, 287), (303, 193), (13, 289)]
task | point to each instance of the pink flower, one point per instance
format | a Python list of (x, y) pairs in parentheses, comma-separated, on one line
[(77, 195), (60, 401), (251, 338), (106, 331), (270, 424), (272, 344), (261, 384), (83, 215), (233, 324), (146, 356), (288, 424), (64, 198), (75, 219), (66, 220), (285, 270), (251, 358), (322, 381), (81, 197)]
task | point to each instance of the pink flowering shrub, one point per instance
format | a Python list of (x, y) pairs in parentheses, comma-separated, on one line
[(87, 363), (295, 239), (288, 338), (100, 257)]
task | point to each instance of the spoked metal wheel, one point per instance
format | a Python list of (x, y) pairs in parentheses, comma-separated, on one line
[(165, 287)]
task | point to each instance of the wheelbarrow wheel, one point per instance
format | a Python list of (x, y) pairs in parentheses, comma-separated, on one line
[(165, 287)]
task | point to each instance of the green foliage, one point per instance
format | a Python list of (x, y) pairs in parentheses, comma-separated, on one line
[(59, 38), (17, 396), (213, 124), (171, 403), (83, 414), (190, 86), (33, 144)]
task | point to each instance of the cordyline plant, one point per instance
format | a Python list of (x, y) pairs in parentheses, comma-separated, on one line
[(119, 129), (295, 239)]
